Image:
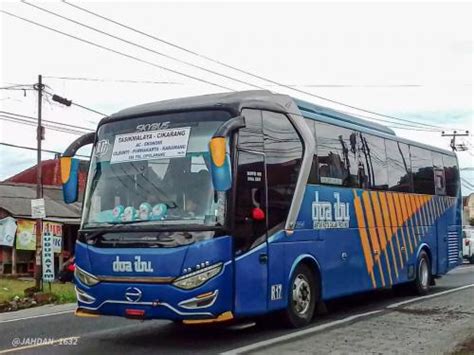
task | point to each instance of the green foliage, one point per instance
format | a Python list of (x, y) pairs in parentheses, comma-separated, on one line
[(10, 288)]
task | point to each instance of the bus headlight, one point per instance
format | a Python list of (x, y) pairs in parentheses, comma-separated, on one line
[(85, 278), (197, 278)]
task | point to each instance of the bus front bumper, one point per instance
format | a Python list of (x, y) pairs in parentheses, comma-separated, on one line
[(209, 302)]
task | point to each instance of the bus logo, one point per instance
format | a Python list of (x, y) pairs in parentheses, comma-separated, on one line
[(133, 294), (330, 215), (127, 266)]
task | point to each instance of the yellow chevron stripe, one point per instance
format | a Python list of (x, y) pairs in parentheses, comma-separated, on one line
[(422, 205), (431, 211), (373, 233), (364, 238), (398, 212), (405, 215), (381, 232), (414, 217), (386, 218), (393, 218)]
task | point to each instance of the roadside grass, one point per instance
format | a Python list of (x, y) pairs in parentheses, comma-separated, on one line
[(9, 288)]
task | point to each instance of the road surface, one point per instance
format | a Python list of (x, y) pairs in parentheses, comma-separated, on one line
[(377, 322)]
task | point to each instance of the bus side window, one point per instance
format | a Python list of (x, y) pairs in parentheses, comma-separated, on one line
[(438, 172), (422, 169), (451, 172), (337, 156), (399, 169), (373, 162), (283, 155)]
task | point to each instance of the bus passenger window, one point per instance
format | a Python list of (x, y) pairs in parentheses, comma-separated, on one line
[(399, 170), (439, 176), (422, 169), (373, 162), (337, 155), (451, 172)]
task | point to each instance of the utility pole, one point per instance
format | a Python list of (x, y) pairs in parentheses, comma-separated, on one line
[(39, 185), (454, 135)]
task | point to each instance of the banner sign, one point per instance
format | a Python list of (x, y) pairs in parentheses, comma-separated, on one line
[(25, 235), (162, 144), (48, 258), (38, 209), (7, 231), (57, 244)]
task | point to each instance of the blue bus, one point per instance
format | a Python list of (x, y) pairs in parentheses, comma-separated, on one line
[(224, 206)]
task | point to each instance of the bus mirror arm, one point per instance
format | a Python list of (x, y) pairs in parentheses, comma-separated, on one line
[(220, 161), (69, 167)]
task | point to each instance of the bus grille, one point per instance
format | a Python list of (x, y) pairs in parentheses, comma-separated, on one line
[(453, 247)]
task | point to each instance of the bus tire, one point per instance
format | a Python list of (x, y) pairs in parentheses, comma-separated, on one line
[(421, 283), (471, 259), (302, 297)]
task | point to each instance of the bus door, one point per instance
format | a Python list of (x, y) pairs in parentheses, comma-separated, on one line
[(250, 234)]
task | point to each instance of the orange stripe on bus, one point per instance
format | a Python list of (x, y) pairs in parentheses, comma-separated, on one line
[(411, 219), (364, 238), (405, 215), (381, 232), (386, 218), (373, 233), (398, 211), (393, 218), (415, 217)]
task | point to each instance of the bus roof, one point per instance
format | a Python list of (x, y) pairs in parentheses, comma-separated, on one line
[(265, 100), (307, 107)]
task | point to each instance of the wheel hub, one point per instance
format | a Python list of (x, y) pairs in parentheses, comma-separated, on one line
[(424, 273), (301, 295)]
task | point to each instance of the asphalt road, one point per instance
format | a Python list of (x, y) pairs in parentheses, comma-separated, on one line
[(73, 335)]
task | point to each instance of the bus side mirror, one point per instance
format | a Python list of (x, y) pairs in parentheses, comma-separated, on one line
[(69, 178), (220, 164)]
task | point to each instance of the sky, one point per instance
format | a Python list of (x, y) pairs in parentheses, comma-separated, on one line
[(406, 59)]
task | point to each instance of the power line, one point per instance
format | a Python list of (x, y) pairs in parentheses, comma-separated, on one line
[(115, 51), (143, 47), (31, 123), (241, 70), (47, 121), (79, 105), (164, 68), (114, 80), (34, 149)]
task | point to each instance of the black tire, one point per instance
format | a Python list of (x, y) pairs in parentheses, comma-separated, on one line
[(421, 284), (471, 259), (302, 297)]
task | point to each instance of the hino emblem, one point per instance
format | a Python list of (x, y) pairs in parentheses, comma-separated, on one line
[(133, 294)]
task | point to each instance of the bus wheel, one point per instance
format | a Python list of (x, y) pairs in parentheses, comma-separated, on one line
[(302, 297), (471, 259), (421, 283)]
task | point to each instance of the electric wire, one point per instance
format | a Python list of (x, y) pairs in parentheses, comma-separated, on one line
[(47, 121), (143, 47), (34, 149), (241, 70), (115, 51)]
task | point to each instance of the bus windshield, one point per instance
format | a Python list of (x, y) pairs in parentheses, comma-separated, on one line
[(154, 170)]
